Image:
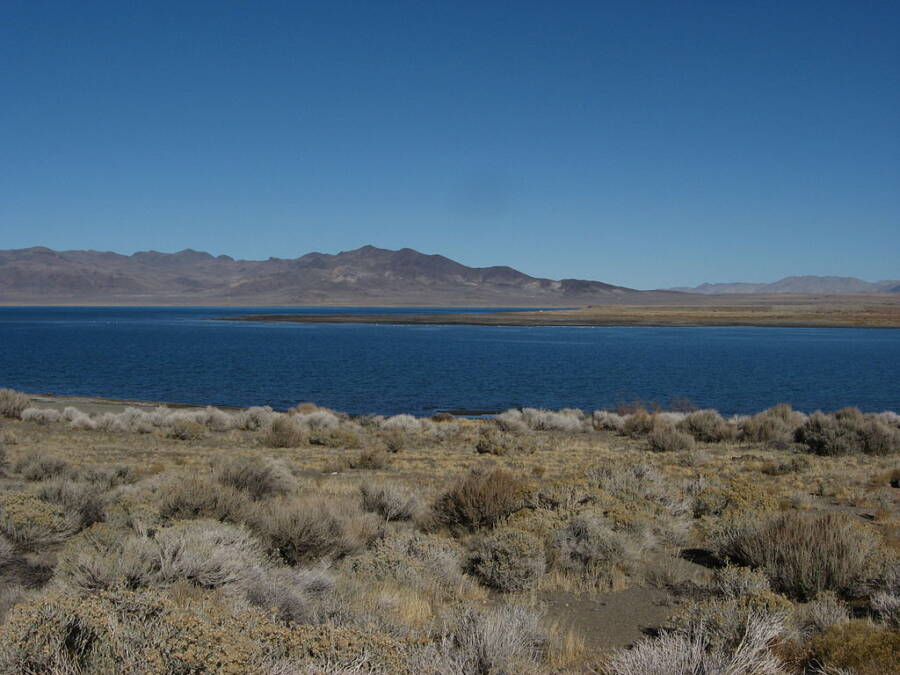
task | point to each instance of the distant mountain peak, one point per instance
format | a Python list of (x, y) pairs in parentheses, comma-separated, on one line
[(805, 284), (366, 275)]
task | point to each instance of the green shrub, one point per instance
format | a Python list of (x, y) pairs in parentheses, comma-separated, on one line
[(804, 554), (508, 560), (480, 498)]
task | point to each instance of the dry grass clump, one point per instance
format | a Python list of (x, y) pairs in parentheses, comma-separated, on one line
[(310, 528), (285, 432), (13, 403), (508, 560), (480, 498), (776, 425), (707, 426), (200, 497), (83, 503), (370, 459), (391, 500), (41, 466), (258, 477), (857, 646), (667, 438), (639, 424), (848, 431), (186, 430), (805, 553)]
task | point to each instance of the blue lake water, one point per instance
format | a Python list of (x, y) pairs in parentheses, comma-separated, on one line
[(184, 355)]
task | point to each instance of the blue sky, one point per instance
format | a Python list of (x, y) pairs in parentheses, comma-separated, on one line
[(648, 144)]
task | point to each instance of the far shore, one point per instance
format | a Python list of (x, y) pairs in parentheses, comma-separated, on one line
[(789, 312)]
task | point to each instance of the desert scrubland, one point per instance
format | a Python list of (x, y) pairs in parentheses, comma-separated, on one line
[(141, 539)]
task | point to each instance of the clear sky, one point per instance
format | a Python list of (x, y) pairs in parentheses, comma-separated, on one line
[(648, 144)]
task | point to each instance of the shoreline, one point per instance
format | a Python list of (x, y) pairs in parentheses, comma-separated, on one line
[(621, 316)]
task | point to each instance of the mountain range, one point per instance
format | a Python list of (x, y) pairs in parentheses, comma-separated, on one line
[(805, 284), (365, 276)]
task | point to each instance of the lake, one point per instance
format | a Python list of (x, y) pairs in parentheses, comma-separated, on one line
[(184, 355)]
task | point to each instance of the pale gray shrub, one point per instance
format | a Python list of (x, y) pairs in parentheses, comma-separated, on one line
[(670, 417), (313, 527), (407, 423), (97, 562), (506, 639), (83, 503), (255, 418), (258, 477), (392, 501), (589, 545), (508, 560), (511, 420), (889, 417), (41, 415), (318, 420), (40, 465), (734, 581), (886, 607), (677, 653), (804, 553), (80, 420), (413, 559), (207, 553), (815, 616), (547, 420), (294, 595), (7, 550), (13, 403), (219, 420), (605, 420)]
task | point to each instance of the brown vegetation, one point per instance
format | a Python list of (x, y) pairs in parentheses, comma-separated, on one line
[(299, 542)]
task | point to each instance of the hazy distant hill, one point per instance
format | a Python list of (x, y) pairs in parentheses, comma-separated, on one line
[(367, 275), (809, 284)]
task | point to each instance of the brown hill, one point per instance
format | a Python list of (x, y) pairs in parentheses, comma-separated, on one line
[(365, 276)]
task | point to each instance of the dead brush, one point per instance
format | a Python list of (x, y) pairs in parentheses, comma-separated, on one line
[(480, 498)]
